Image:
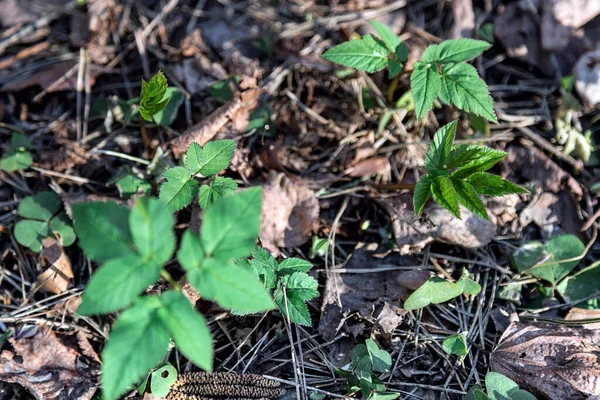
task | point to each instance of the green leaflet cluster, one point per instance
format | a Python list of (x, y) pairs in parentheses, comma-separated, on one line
[(442, 70), (133, 246), (17, 156), (368, 359), (437, 290), (456, 175), (291, 286), (498, 387), (180, 188), (153, 98)]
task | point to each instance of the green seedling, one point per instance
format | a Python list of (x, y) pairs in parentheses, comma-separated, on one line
[(498, 387), (17, 156), (437, 290)]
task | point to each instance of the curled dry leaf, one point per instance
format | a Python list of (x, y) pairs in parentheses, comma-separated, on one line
[(550, 360), (55, 279), (50, 367), (290, 211), (413, 232)]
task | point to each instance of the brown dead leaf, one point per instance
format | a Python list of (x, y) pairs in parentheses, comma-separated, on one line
[(55, 279), (373, 165), (104, 18), (550, 360), (289, 213), (52, 367), (576, 313), (235, 113), (413, 232), (373, 297)]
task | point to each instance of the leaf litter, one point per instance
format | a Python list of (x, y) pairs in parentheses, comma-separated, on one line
[(333, 170)]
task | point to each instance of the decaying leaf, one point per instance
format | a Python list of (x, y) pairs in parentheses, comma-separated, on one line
[(373, 165), (550, 360), (587, 77), (372, 297), (289, 213), (413, 232), (55, 279), (52, 367)]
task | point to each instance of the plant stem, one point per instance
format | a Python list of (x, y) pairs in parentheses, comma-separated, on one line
[(144, 134), (392, 89), (167, 277)]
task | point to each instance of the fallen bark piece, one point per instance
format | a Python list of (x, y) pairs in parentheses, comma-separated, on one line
[(50, 367), (550, 360), (202, 386)]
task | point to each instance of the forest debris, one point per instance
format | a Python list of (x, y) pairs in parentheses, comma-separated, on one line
[(548, 211), (104, 18), (587, 77), (235, 112), (289, 213), (50, 367), (576, 313), (373, 165), (372, 296), (560, 18), (55, 279), (197, 385), (464, 19), (413, 232), (550, 360)]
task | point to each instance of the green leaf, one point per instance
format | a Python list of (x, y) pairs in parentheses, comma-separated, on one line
[(230, 227), (299, 287), (20, 142), (167, 115), (15, 160), (476, 393), (445, 195), (440, 147), (456, 344), (188, 329), (462, 154), (468, 197), (232, 287), (361, 362), (61, 225), (422, 193), (381, 359), (152, 230), (388, 37), (291, 265), (454, 51), (461, 86), (117, 284), (40, 207), (216, 156), (31, 233), (103, 230), (219, 187), (221, 90), (545, 260), (468, 285), (190, 254), (394, 68), (365, 54), (425, 85), (194, 158), (153, 96), (582, 285), (138, 341), (487, 159), (130, 184), (179, 190), (499, 387), (384, 396), (264, 272), (162, 379), (435, 290), (492, 185)]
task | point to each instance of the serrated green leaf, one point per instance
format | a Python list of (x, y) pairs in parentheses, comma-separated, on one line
[(394, 68), (468, 197), (454, 51), (440, 147), (264, 272), (381, 359), (130, 184), (445, 195), (456, 344), (301, 285), (188, 329), (422, 193), (230, 227), (219, 187), (544, 260), (462, 154), (291, 265), (461, 86), (487, 159), (15, 160), (151, 227), (117, 284), (168, 111), (364, 54), (138, 341), (232, 287), (152, 99), (103, 230), (425, 84), (299, 288), (401, 53), (179, 190), (193, 158), (434, 291), (162, 379), (387, 36), (214, 158), (492, 185), (264, 257)]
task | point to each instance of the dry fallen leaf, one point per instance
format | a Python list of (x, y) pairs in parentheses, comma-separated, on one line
[(576, 313), (587, 77), (373, 165), (561, 17), (52, 367), (55, 279), (464, 19), (550, 360), (289, 212)]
